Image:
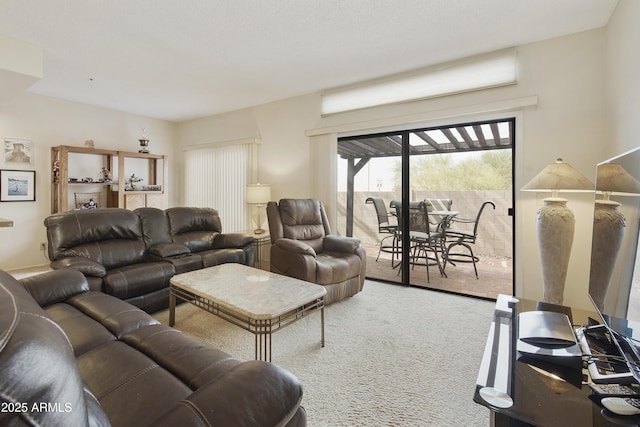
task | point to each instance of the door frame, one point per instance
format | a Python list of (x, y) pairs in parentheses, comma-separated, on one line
[(512, 118)]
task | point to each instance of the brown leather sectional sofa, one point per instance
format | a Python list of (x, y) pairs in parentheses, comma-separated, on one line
[(133, 254), (70, 356)]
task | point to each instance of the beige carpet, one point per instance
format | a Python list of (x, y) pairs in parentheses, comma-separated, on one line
[(394, 356)]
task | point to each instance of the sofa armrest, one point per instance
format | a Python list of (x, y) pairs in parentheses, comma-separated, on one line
[(295, 246), (168, 250), (253, 393), (232, 240), (55, 286), (340, 244), (84, 265)]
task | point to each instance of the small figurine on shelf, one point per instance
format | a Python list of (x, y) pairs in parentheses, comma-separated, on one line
[(106, 175), (56, 171), (91, 204), (144, 142), (131, 183)]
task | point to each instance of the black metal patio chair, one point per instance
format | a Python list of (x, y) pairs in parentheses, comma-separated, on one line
[(427, 241), (465, 238), (386, 225)]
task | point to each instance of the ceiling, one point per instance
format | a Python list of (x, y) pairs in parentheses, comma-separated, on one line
[(179, 60)]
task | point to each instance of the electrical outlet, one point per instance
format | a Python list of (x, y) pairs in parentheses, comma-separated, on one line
[(43, 246)]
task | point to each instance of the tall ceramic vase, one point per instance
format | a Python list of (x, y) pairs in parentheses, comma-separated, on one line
[(608, 232), (555, 226)]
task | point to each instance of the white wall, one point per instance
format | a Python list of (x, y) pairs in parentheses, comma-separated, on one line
[(49, 122), (623, 68), (285, 155), (570, 121)]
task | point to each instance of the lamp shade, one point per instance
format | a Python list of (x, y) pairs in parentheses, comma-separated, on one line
[(614, 179), (559, 176), (258, 194)]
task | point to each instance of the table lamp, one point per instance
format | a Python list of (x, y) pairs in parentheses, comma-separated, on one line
[(555, 224), (609, 226), (258, 195)]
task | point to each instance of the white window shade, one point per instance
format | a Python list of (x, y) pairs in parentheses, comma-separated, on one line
[(498, 70), (217, 177)]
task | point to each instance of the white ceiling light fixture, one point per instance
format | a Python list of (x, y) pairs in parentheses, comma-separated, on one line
[(480, 73)]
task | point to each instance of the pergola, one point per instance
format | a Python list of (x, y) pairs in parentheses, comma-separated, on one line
[(479, 136)]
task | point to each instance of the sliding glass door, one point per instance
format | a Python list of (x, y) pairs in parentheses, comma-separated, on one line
[(413, 198)]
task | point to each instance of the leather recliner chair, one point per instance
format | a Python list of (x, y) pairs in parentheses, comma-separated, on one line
[(304, 248)]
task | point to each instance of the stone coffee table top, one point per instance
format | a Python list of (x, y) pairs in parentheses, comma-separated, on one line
[(248, 291)]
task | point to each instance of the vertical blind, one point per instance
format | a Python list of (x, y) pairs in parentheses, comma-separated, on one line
[(217, 177)]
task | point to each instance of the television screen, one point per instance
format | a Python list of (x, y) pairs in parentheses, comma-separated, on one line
[(614, 281)]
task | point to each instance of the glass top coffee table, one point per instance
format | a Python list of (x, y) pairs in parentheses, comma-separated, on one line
[(255, 300)]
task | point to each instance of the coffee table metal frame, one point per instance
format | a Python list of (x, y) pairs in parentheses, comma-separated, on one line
[(262, 327)]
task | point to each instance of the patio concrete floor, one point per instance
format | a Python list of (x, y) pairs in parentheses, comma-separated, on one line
[(495, 275)]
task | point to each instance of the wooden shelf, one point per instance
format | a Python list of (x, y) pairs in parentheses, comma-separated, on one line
[(142, 192), (156, 165)]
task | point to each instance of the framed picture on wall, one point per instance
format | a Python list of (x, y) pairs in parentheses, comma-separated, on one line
[(17, 186), (17, 150)]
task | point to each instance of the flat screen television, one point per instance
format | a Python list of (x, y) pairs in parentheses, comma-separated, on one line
[(614, 282)]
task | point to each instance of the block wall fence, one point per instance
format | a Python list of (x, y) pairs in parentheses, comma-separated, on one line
[(495, 235)]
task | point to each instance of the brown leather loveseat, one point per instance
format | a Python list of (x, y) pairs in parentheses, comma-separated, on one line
[(133, 254), (70, 356)]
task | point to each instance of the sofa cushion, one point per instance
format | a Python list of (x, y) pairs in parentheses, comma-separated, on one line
[(302, 219), (235, 386), (84, 333), (196, 240), (37, 365), (196, 228), (184, 219), (169, 249), (137, 279), (182, 264), (190, 359), (110, 236), (151, 302), (111, 253), (155, 226), (129, 385), (336, 267)]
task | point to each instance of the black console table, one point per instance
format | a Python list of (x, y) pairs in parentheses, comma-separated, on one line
[(522, 391)]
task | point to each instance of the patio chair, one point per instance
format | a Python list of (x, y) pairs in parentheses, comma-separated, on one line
[(385, 227), (437, 205), (427, 241), (458, 237)]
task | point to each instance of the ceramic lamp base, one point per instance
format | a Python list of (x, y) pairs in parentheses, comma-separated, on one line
[(555, 225), (609, 227)]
